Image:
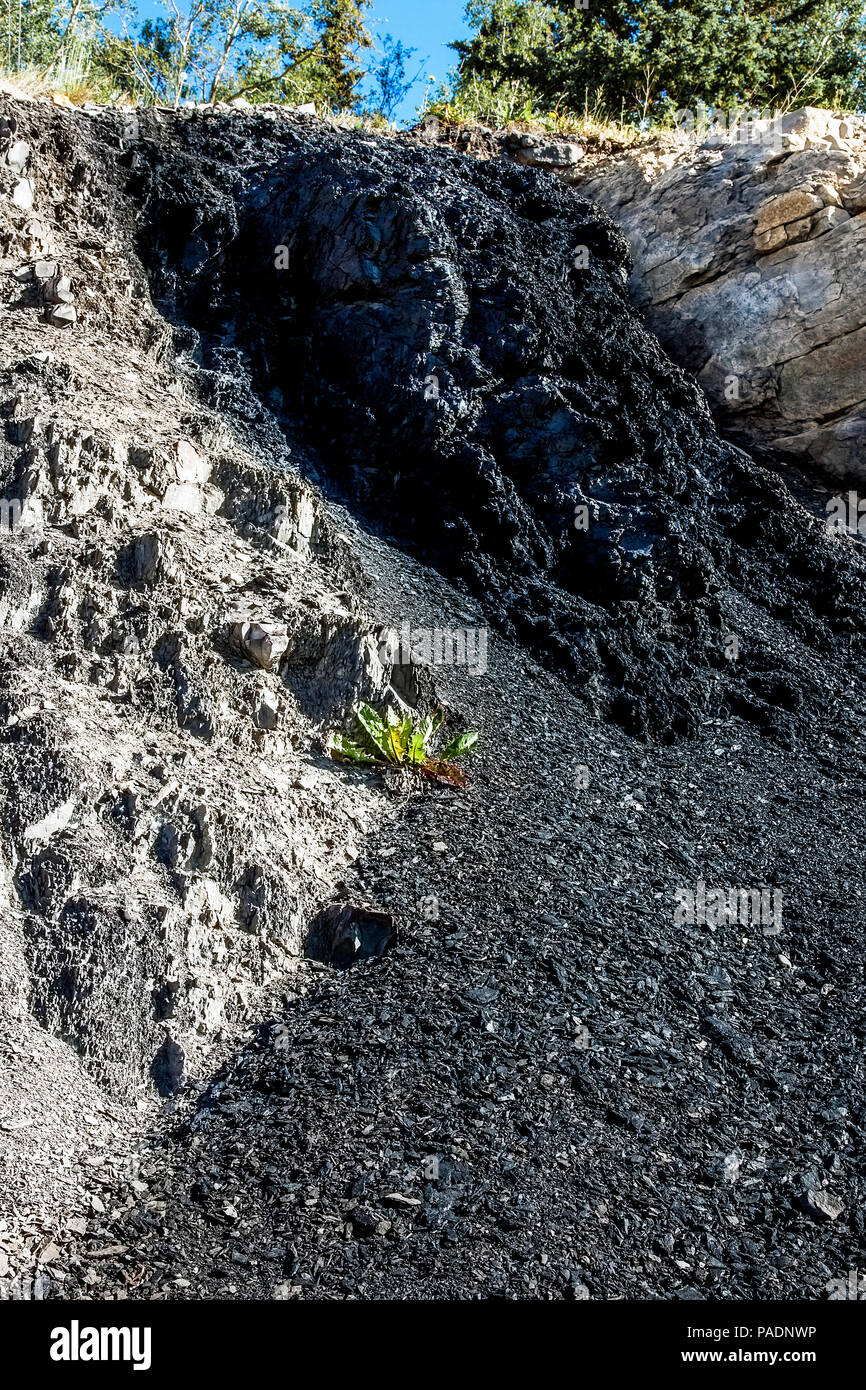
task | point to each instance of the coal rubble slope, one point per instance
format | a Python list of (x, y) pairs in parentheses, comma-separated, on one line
[(551, 1091), (549, 1088)]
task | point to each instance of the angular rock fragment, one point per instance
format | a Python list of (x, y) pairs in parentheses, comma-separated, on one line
[(788, 207), (24, 194), (345, 932), (822, 1205), (62, 315), (263, 643), (18, 157), (57, 289), (190, 466), (548, 154), (268, 711), (828, 219), (190, 474), (152, 557)]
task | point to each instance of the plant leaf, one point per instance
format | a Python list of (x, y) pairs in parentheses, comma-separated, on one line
[(440, 771), (426, 732), (416, 751), (461, 745), (398, 732), (342, 747), (374, 727)]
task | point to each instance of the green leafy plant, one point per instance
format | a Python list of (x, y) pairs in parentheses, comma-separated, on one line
[(399, 740)]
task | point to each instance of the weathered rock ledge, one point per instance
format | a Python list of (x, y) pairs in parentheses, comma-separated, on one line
[(750, 264)]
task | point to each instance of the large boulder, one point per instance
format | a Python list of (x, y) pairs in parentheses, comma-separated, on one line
[(749, 266)]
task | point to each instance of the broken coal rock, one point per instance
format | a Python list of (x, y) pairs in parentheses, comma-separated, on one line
[(343, 933), (731, 1040)]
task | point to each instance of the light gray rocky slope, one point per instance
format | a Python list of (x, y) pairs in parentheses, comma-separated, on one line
[(180, 622)]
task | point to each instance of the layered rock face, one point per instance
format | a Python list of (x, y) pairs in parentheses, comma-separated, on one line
[(749, 265), (747, 249)]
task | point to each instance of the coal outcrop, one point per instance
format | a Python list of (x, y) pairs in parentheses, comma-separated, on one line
[(455, 345)]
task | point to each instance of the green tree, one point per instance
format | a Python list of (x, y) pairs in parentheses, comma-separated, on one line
[(651, 56), (344, 36), (209, 50), (262, 50), (45, 34)]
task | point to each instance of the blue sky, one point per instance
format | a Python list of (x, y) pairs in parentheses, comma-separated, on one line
[(427, 25)]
